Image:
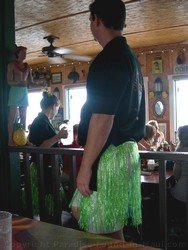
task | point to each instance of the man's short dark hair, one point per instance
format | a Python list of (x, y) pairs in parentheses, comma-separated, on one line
[(112, 13), (18, 49)]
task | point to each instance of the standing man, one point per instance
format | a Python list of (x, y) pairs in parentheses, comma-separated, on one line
[(112, 122), (18, 77)]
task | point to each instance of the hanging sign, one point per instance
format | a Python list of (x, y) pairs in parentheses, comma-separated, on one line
[(181, 69)]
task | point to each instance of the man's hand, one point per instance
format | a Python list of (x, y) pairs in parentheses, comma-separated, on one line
[(29, 144), (83, 180), (157, 135), (22, 84), (63, 133)]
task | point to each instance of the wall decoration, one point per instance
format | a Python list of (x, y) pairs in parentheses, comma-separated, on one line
[(163, 128), (157, 65), (181, 69), (56, 78), (151, 94), (83, 73), (159, 108), (73, 75), (181, 58), (158, 90), (56, 92), (41, 78)]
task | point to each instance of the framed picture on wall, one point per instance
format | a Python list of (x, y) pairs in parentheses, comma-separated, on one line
[(163, 128), (56, 78), (157, 66)]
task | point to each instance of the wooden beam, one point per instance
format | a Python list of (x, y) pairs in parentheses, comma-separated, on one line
[(7, 40)]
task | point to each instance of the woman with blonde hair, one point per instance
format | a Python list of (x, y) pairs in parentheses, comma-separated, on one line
[(159, 137), (147, 141)]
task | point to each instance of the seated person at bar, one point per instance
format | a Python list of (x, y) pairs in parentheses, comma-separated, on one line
[(180, 190), (159, 137), (179, 193), (42, 134), (147, 142)]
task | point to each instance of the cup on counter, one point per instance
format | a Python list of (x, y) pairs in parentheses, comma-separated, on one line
[(5, 230), (151, 165)]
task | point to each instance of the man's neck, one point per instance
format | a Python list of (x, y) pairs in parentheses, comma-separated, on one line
[(19, 61), (107, 36)]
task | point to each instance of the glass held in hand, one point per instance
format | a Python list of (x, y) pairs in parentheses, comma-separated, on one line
[(69, 128), (63, 132)]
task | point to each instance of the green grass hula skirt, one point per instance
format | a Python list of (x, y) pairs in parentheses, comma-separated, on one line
[(118, 195), (49, 201)]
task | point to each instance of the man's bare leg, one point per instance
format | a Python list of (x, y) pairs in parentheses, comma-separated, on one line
[(116, 235), (23, 113), (11, 120)]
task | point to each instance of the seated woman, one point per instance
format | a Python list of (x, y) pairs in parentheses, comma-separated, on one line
[(180, 190), (179, 193), (42, 134), (147, 142), (159, 137)]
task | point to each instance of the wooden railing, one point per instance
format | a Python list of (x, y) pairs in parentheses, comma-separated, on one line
[(39, 153), (26, 151), (162, 157)]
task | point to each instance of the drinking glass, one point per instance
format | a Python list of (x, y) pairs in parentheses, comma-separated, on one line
[(5, 230)]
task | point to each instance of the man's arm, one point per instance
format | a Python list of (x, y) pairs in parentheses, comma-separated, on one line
[(10, 75), (51, 141), (144, 145), (99, 129)]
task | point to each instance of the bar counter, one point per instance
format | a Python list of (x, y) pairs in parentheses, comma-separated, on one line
[(35, 235)]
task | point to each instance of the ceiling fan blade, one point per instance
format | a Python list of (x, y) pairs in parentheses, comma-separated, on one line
[(185, 42), (62, 50), (41, 55), (56, 60), (78, 57)]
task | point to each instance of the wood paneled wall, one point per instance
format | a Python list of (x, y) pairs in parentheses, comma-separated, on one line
[(167, 54)]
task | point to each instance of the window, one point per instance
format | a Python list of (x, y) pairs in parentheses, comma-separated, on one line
[(34, 106), (181, 90), (75, 98)]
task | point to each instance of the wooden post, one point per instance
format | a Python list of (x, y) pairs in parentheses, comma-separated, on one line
[(7, 41)]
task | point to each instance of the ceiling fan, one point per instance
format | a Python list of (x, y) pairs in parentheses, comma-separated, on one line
[(59, 54)]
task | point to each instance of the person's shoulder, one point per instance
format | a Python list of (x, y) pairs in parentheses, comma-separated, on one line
[(40, 119), (11, 64)]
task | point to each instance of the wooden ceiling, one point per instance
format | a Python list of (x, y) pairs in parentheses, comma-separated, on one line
[(149, 23)]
